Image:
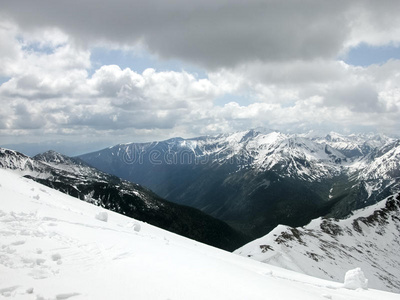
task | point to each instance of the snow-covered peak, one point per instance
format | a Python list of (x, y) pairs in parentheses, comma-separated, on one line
[(52, 156), (15, 160), (383, 164), (355, 145), (45, 165), (64, 163), (293, 155), (335, 137), (290, 155)]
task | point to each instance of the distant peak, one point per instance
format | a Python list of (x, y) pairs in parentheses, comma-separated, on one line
[(50, 152), (51, 156), (264, 130), (5, 151), (331, 136)]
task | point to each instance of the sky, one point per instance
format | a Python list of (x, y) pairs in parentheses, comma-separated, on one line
[(78, 76)]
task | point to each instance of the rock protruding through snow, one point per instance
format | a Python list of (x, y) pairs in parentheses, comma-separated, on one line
[(355, 279)]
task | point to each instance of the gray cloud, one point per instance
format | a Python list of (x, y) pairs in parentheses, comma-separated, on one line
[(361, 97), (212, 33), (26, 118)]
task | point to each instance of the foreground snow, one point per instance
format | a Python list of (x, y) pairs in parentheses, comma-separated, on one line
[(53, 246)]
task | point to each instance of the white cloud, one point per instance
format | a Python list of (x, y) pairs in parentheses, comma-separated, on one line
[(373, 22), (52, 91), (278, 55)]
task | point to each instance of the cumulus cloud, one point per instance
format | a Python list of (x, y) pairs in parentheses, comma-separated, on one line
[(374, 23), (52, 91), (62, 98), (282, 56)]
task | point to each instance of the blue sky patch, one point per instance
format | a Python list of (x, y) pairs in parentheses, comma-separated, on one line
[(242, 100), (365, 55), (139, 62), (4, 79)]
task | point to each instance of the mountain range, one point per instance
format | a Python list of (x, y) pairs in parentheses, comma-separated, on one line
[(256, 180), (321, 205)]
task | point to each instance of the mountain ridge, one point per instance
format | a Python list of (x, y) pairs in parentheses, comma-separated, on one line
[(253, 172)]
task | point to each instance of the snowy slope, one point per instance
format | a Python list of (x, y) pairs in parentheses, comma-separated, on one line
[(53, 247), (384, 164), (326, 248), (380, 169), (74, 177), (48, 165), (69, 166), (13, 160)]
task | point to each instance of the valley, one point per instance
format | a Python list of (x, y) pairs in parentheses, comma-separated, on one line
[(256, 180)]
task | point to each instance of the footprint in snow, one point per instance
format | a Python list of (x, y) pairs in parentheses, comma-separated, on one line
[(57, 258), (8, 291), (66, 296), (269, 273), (40, 261), (17, 243), (135, 225), (44, 191)]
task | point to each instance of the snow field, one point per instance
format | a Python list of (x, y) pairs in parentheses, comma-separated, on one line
[(52, 247)]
